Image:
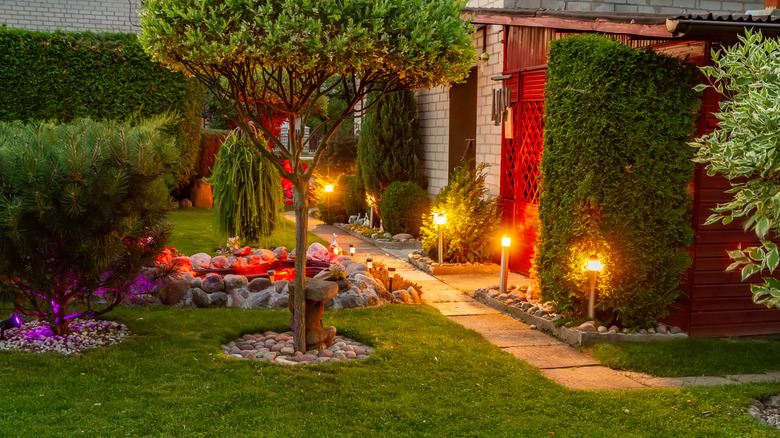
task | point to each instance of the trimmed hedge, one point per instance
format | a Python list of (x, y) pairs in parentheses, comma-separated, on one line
[(403, 205), (615, 176), (65, 76)]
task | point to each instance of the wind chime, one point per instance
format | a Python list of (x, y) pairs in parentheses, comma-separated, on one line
[(502, 111)]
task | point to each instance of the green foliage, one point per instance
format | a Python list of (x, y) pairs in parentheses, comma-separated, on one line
[(64, 76), (389, 145), (340, 156), (354, 195), (332, 206), (745, 148), (82, 209), (472, 218), (247, 191), (403, 205), (615, 176)]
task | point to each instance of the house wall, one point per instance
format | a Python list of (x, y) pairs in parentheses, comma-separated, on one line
[(671, 7), (71, 15)]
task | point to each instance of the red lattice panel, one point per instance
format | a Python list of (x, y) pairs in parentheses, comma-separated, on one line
[(529, 153), (509, 158)]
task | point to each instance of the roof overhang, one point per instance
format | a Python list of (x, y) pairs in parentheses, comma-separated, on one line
[(722, 27), (640, 25)]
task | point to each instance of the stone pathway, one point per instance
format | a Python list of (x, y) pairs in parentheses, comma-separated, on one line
[(555, 359)]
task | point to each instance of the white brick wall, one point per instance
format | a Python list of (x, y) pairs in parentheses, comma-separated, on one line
[(434, 111), (71, 15)]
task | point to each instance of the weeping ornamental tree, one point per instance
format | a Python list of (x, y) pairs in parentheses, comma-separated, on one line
[(282, 56), (745, 148)]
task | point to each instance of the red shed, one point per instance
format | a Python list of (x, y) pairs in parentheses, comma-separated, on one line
[(717, 302)]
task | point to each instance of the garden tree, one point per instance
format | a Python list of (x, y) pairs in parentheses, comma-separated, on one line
[(287, 54), (389, 147), (82, 209), (745, 148)]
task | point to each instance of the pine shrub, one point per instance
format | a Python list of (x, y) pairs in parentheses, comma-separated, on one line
[(82, 208), (472, 218), (247, 191), (615, 176), (403, 205), (354, 195), (388, 149)]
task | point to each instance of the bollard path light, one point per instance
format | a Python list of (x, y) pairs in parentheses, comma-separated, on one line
[(440, 219), (594, 266), (390, 275), (352, 250), (271, 274), (506, 242)]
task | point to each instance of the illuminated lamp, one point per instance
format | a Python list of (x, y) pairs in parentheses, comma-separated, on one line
[(390, 275), (352, 250), (271, 275), (440, 218), (506, 241), (13, 321), (594, 266), (370, 263)]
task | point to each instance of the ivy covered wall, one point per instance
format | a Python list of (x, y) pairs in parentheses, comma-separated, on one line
[(615, 175)]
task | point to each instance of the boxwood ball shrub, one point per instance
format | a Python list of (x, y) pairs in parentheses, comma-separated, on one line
[(615, 174), (402, 206), (65, 76), (83, 207), (472, 218)]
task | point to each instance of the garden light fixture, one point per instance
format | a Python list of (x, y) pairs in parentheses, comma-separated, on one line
[(594, 266), (271, 274), (506, 241), (440, 218), (390, 275), (369, 263), (370, 200), (328, 188), (13, 321), (352, 250)]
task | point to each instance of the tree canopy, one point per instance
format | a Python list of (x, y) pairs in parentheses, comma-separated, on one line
[(282, 56)]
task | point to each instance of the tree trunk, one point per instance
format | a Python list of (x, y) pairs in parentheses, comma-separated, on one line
[(300, 202)]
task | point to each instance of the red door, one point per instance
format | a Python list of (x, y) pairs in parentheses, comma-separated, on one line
[(520, 158)]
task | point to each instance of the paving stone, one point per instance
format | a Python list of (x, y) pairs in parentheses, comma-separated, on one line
[(523, 338), (488, 322), (552, 356), (596, 377), (463, 308), (706, 381), (750, 378), (444, 296)]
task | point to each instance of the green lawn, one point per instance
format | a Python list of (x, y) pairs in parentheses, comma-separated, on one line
[(693, 357), (193, 232), (428, 377)]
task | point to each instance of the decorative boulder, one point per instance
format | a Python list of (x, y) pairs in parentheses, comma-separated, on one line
[(200, 298), (324, 275), (195, 282), (175, 289), (320, 290), (278, 301), (355, 268), (346, 300), (185, 203), (317, 251), (403, 236), (200, 260), (259, 284), (255, 260), (243, 251), (233, 282), (212, 283), (402, 296), (267, 255), (183, 263), (219, 262), (219, 299), (258, 300), (281, 286), (414, 295), (281, 253)]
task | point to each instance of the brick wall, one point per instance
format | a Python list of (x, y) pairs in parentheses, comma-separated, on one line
[(671, 7), (433, 108), (71, 15)]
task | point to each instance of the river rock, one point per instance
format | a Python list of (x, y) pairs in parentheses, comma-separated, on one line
[(587, 327), (254, 260), (175, 289), (212, 283), (259, 284), (200, 298), (233, 282), (258, 300), (281, 286), (200, 260), (325, 275), (402, 296), (185, 203), (278, 301), (403, 236), (356, 268), (317, 251), (267, 255), (414, 295), (219, 262), (195, 282), (280, 253), (219, 299), (346, 300), (369, 299)]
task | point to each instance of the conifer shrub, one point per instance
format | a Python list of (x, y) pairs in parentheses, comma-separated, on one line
[(247, 190), (388, 149), (354, 195), (615, 175), (403, 205), (472, 218), (82, 208)]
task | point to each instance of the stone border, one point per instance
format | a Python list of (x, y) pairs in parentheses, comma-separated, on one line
[(384, 245), (574, 337), (453, 268)]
